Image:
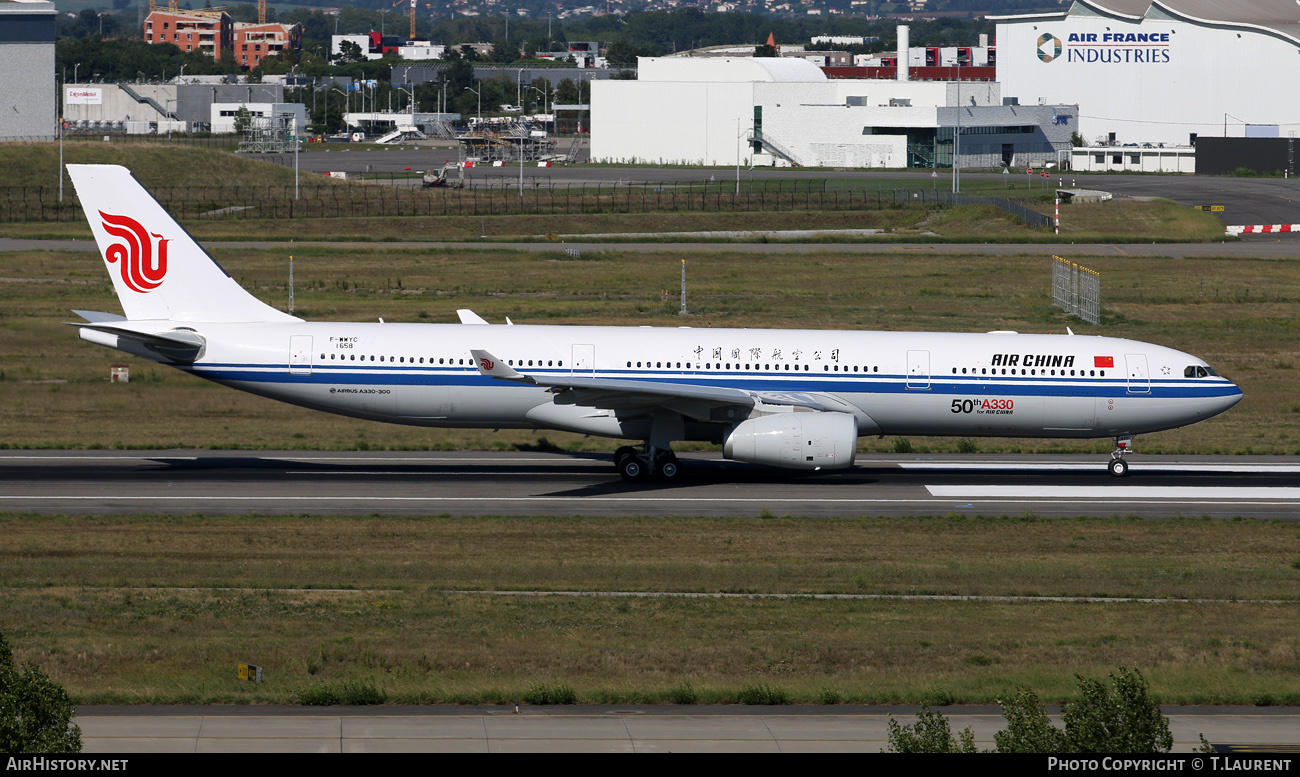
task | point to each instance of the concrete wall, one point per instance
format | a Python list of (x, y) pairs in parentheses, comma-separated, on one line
[(27, 87), (27, 90), (820, 123), (191, 102)]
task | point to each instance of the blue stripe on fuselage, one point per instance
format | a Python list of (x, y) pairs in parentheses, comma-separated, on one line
[(852, 384)]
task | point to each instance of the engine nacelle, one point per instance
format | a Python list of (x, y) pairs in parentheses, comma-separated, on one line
[(795, 440)]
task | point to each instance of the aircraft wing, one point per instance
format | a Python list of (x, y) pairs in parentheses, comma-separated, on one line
[(692, 399)]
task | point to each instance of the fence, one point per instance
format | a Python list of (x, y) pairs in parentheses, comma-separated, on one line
[(404, 197), (1076, 290)]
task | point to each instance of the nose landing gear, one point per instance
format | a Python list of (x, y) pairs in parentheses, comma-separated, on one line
[(1117, 467)]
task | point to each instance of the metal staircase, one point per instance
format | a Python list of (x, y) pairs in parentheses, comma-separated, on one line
[(148, 101), (772, 147)]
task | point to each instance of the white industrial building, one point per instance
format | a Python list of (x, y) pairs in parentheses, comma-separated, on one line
[(778, 111), (1162, 71), (172, 106), (27, 90), (225, 115)]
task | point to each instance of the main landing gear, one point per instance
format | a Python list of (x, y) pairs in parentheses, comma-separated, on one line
[(1117, 467), (646, 462)]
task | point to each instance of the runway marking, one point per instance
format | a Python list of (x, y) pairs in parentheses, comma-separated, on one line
[(1144, 466), (885, 597), (1119, 493), (1118, 496), (411, 459)]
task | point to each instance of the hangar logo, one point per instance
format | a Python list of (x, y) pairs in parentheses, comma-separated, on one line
[(1049, 47)]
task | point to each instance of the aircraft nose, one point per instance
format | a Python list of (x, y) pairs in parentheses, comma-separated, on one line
[(1228, 400)]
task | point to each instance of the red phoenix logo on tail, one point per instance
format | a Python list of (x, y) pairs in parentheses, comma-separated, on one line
[(487, 363), (143, 269)]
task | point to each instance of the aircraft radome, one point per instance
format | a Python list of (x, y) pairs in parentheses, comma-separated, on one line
[(798, 399)]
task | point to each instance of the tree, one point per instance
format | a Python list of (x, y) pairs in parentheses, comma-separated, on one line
[(243, 119), (764, 50), (1117, 718), (35, 713), (349, 51), (931, 734), (1028, 729), (1121, 718)]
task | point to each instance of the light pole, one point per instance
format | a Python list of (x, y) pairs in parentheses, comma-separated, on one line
[(169, 118), (480, 102), (59, 98), (327, 106), (738, 131), (956, 138)]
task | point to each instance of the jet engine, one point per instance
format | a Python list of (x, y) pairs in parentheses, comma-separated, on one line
[(795, 440)]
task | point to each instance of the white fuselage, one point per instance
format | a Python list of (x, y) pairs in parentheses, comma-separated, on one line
[(996, 384)]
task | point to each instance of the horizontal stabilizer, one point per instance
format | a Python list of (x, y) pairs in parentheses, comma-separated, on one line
[(470, 317), (176, 345), (95, 317)]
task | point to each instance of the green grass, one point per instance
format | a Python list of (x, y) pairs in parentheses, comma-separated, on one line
[(132, 609), (195, 181)]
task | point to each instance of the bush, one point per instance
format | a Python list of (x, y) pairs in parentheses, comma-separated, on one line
[(902, 445), (1121, 718), (1118, 719), (762, 694), (350, 693), (930, 734), (550, 694), (684, 695), (317, 696), (35, 712)]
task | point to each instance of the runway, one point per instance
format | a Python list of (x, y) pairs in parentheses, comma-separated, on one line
[(665, 728), (545, 483)]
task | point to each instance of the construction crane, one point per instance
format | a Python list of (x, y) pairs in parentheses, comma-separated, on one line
[(394, 5), (261, 11)]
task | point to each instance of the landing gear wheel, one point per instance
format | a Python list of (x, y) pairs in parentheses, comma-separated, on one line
[(623, 452), (631, 468), (1117, 467), (669, 469)]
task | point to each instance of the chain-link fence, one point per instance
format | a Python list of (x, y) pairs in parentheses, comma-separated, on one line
[(394, 196), (1076, 290)]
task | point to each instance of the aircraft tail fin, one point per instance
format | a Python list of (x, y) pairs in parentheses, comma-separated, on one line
[(159, 271)]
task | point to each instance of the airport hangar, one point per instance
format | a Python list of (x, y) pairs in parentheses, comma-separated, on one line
[(786, 111), (1162, 71)]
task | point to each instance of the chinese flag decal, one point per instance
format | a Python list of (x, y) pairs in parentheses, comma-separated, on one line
[(1103, 361)]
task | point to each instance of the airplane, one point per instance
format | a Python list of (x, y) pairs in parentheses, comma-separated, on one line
[(795, 399)]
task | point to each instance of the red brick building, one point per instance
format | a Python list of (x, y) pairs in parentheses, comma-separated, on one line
[(215, 33), (212, 32), (255, 42)]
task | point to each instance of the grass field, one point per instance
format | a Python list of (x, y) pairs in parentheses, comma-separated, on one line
[(207, 180), (144, 609), (158, 609), (1236, 313)]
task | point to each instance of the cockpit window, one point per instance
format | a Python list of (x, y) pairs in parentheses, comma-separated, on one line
[(1197, 371)]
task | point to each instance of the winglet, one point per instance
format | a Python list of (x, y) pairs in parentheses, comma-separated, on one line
[(493, 367), (468, 316)]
